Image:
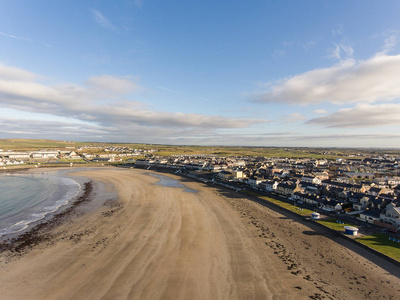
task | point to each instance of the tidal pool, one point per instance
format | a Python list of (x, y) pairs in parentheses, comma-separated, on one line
[(166, 181)]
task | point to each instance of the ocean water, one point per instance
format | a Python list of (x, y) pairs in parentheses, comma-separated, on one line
[(26, 199), (167, 181)]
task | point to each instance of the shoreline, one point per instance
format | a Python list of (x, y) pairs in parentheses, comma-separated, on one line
[(20, 242), (32, 234), (159, 242), (68, 190)]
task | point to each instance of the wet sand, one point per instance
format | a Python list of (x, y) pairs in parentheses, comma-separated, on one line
[(157, 242)]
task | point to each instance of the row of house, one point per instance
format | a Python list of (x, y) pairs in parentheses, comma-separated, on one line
[(356, 185)]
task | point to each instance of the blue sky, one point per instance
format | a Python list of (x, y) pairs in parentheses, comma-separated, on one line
[(260, 73)]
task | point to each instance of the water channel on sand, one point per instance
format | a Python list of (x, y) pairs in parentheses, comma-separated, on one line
[(168, 182)]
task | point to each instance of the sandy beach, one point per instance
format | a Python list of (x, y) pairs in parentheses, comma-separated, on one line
[(157, 242)]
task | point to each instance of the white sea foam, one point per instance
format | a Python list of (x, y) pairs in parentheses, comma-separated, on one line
[(30, 210)]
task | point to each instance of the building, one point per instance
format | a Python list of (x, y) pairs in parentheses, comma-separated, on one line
[(370, 216), (391, 215), (287, 188), (44, 154), (350, 230)]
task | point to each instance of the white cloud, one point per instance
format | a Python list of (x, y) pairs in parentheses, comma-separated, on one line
[(102, 20), (116, 116), (117, 84), (338, 31), (12, 73), (309, 45), (390, 43), (343, 50), (15, 37), (372, 80), (320, 111), (169, 90), (293, 117), (363, 115)]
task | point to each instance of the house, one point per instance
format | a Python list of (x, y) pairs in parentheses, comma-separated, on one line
[(44, 154), (72, 155), (370, 216), (15, 155), (269, 185), (312, 199), (311, 179), (391, 215), (368, 201), (355, 197), (357, 188), (331, 205), (287, 188), (311, 187), (397, 189), (225, 175), (375, 191), (298, 196), (393, 181), (377, 202), (281, 174), (380, 182), (322, 175), (356, 175), (254, 181), (388, 197), (237, 174), (335, 192)]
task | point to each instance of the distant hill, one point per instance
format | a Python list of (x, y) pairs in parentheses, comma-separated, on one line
[(33, 144), (166, 150)]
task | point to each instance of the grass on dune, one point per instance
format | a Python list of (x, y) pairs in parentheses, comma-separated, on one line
[(333, 224), (380, 242)]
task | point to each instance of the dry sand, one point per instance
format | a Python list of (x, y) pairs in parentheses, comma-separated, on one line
[(159, 242)]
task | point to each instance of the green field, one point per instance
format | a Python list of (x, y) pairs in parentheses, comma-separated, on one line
[(285, 205), (167, 150), (26, 144), (249, 151), (380, 242), (332, 224)]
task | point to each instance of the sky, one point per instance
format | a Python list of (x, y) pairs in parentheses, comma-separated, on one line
[(307, 73)]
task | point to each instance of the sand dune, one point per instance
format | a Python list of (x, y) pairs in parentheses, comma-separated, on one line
[(159, 242)]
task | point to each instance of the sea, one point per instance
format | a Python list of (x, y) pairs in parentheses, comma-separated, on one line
[(28, 198)]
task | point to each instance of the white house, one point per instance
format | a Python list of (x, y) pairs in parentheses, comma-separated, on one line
[(391, 215), (254, 181), (269, 185), (311, 179)]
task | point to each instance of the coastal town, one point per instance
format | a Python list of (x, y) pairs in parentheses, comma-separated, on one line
[(324, 220), (361, 187)]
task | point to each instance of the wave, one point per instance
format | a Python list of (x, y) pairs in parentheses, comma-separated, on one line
[(66, 190)]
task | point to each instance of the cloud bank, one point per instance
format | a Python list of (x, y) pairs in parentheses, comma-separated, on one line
[(104, 104), (363, 115), (372, 80)]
